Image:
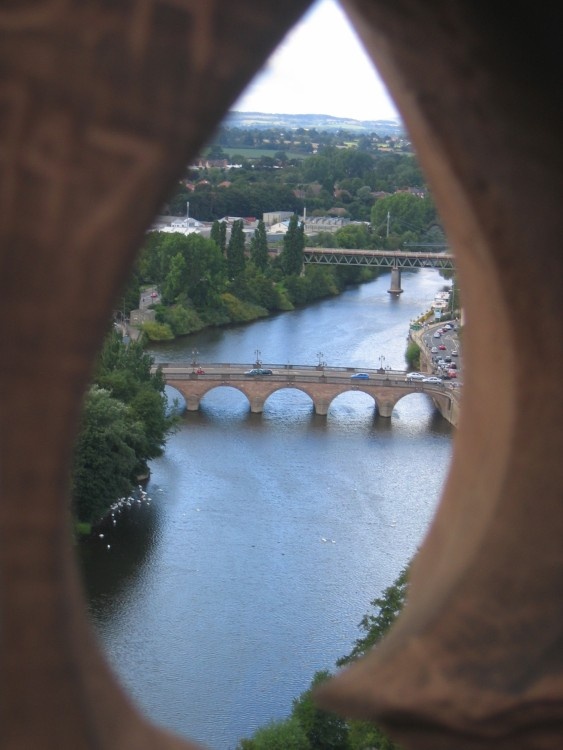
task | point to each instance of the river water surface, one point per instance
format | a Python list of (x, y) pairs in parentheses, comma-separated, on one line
[(268, 535)]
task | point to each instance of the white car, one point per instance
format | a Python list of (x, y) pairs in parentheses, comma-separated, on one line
[(455, 353), (415, 376), (432, 379), (434, 350), (437, 335)]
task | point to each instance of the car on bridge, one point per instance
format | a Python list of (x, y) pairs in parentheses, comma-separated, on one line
[(415, 376), (258, 371), (359, 376), (433, 379)]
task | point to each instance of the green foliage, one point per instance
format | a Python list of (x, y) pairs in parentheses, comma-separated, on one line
[(259, 247), (255, 287), (235, 250), (412, 355), (291, 257), (280, 735), (376, 625), (242, 312), (219, 235), (184, 268), (353, 236), (157, 331), (124, 425), (410, 218), (285, 304), (323, 729), (181, 320), (105, 454)]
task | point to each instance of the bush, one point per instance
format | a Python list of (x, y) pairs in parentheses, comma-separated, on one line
[(242, 312), (181, 320), (157, 331), (412, 355)]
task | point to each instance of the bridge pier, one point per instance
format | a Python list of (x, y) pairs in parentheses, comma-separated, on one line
[(256, 405), (395, 287), (385, 408), (321, 407)]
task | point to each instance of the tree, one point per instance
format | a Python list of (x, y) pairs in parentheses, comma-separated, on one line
[(176, 279), (124, 425), (291, 257), (376, 625), (323, 729), (219, 234), (259, 247), (280, 735), (105, 457), (354, 236), (235, 250)]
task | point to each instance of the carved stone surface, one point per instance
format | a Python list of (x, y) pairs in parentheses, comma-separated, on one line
[(476, 658), (101, 105)]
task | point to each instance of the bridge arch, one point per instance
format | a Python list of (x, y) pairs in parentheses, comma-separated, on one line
[(321, 389)]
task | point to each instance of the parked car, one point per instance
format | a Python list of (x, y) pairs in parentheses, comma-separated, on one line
[(455, 353), (437, 335), (442, 347), (432, 379), (258, 371), (359, 376), (434, 350), (415, 376), (452, 374)]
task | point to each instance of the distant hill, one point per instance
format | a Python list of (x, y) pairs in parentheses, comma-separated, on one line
[(262, 120)]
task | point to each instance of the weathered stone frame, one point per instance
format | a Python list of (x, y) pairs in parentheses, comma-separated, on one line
[(100, 107)]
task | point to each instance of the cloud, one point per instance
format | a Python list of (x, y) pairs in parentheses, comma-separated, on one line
[(320, 68)]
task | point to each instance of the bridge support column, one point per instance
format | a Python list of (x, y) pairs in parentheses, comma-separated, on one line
[(395, 287), (256, 406), (385, 408), (321, 408)]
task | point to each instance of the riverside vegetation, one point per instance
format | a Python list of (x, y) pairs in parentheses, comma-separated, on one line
[(309, 727), (209, 282), (212, 282), (125, 421)]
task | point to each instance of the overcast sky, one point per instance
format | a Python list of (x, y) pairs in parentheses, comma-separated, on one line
[(320, 68)]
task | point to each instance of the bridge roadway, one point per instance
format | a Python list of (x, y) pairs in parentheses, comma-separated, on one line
[(379, 258), (321, 383)]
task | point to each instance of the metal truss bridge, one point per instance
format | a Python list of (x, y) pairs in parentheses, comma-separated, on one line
[(378, 258)]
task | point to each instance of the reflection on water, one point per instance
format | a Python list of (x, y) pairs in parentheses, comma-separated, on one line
[(268, 534)]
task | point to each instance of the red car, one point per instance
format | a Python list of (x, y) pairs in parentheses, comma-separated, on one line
[(442, 347), (199, 371)]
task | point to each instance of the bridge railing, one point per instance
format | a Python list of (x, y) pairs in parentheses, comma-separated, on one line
[(242, 366)]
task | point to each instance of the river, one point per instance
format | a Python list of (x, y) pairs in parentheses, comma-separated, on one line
[(268, 535)]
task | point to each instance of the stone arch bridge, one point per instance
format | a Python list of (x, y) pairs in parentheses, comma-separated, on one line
[(321, 383)]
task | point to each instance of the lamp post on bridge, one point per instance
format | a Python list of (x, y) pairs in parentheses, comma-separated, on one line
[(381, 361), (257, 354), (194, 358), (320, 364)]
